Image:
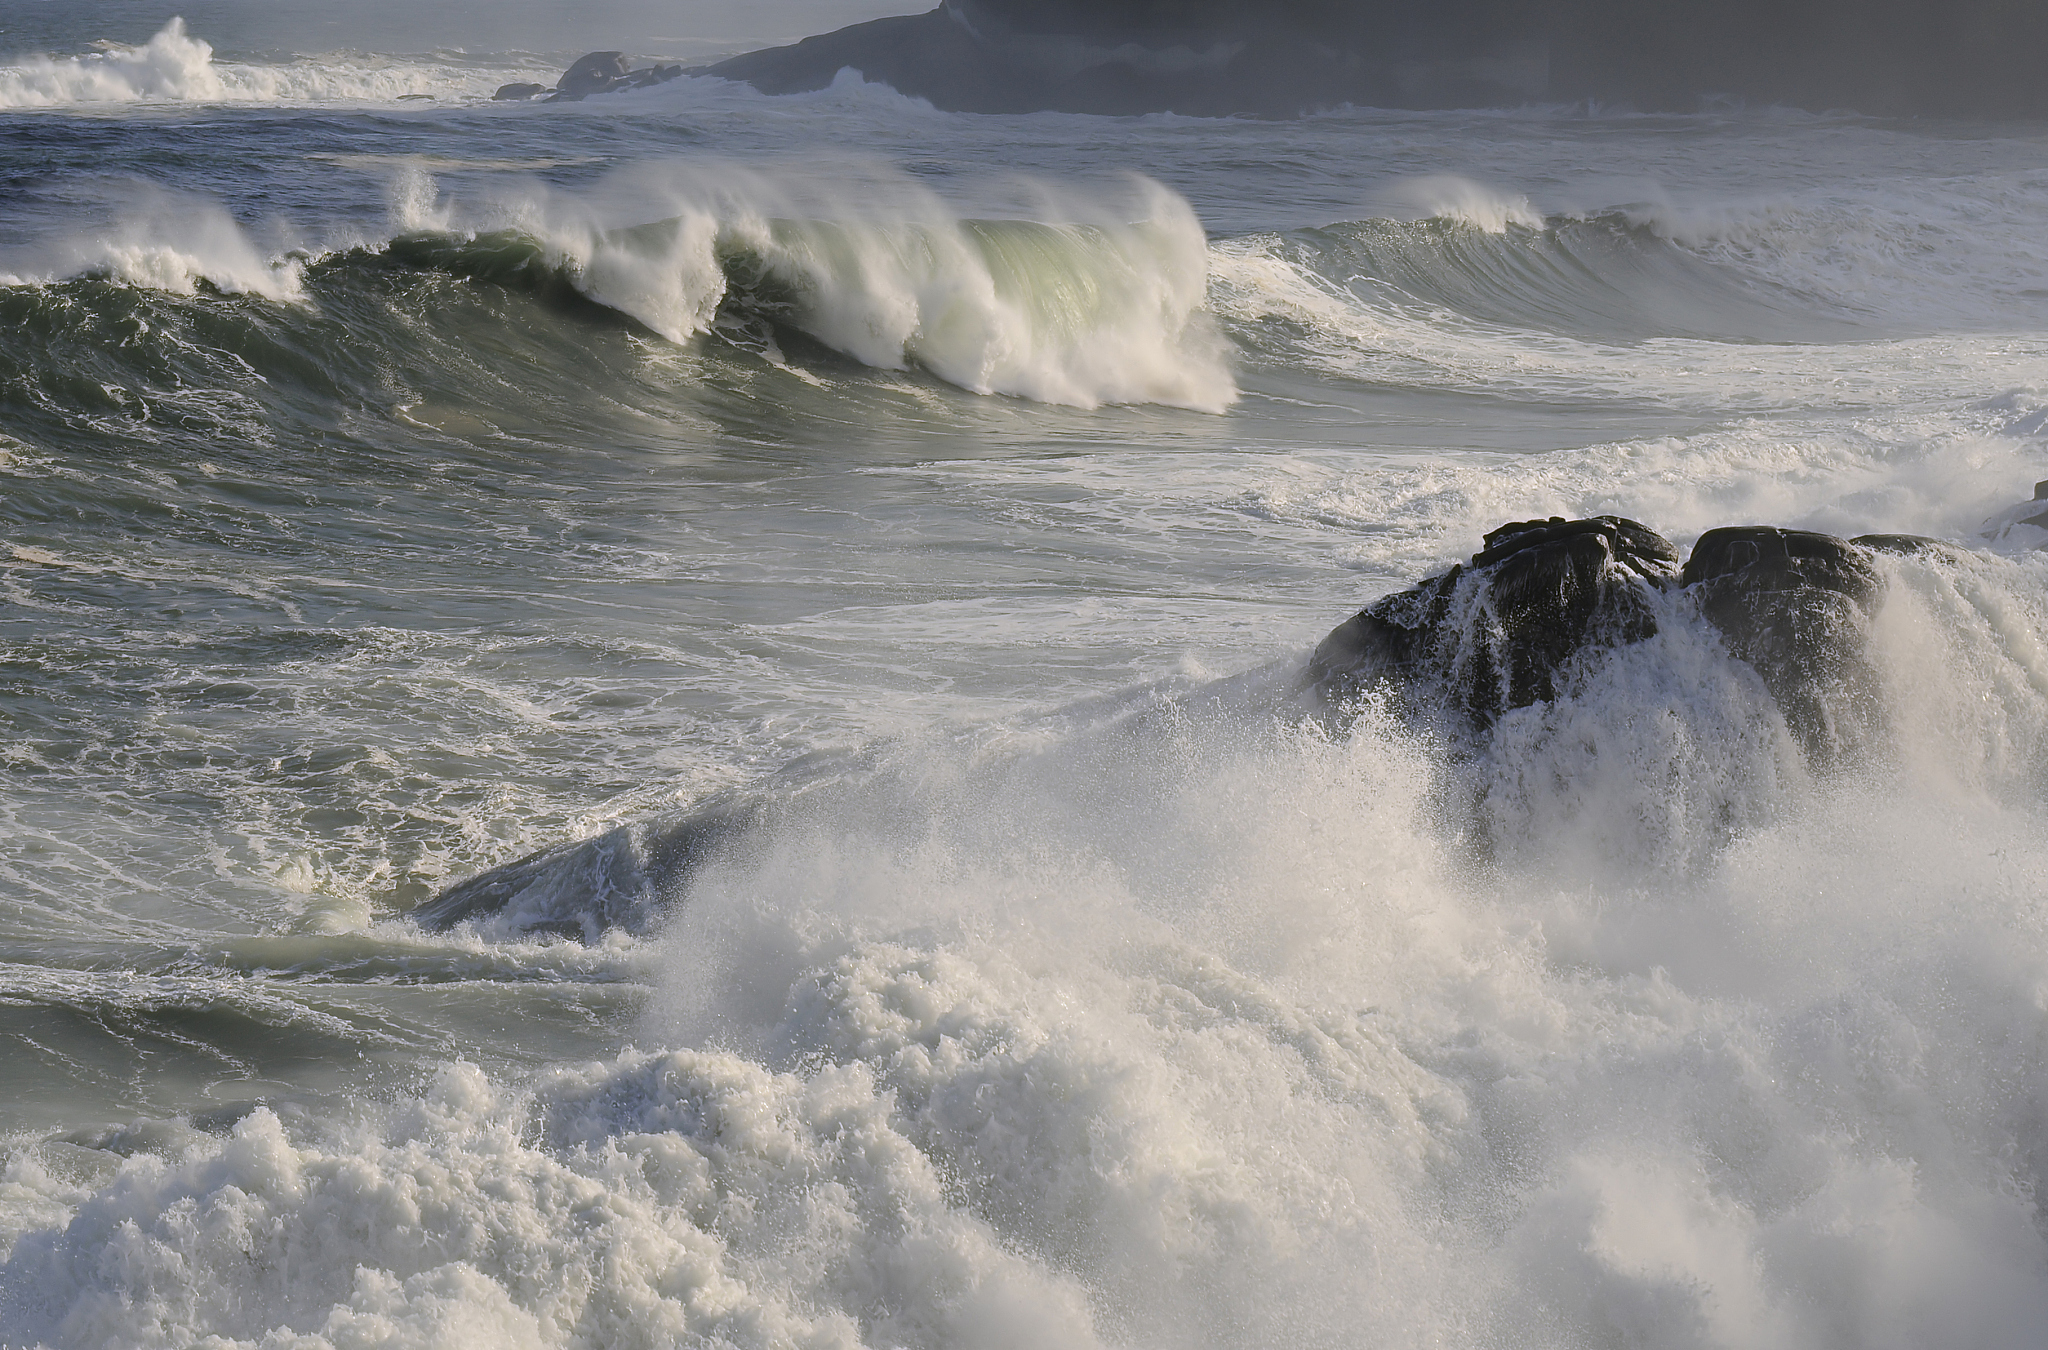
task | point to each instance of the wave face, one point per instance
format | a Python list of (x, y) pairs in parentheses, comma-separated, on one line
[(175, 67)]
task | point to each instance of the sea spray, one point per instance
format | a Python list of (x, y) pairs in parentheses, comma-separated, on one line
[(1201, 1031)]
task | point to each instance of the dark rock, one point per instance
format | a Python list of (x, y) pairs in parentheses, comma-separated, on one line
[(966, 57), (592, 74), (1495, 634), (605, 73), (520, 91), (2003, 528), (1796, 606), (1282, 57), (1502, 631), (624, 878)]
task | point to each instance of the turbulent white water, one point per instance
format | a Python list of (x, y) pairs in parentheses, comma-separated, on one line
[(389, 496), (1234, 1036)]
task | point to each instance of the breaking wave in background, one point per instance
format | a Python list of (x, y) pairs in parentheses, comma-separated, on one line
[(1118, 298), (175, 67), (1091, 307)]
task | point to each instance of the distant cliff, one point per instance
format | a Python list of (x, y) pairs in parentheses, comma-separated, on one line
[(1967, 58)]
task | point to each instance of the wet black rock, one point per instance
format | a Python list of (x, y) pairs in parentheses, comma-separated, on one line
[(1906, 545), (592, 74), (1796, 606), (601, 73), (1500, 632), (511, 92), (1496, 633), (624, 878)]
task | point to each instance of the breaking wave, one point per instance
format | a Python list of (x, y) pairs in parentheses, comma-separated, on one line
[(1095, 305), (175, 67)]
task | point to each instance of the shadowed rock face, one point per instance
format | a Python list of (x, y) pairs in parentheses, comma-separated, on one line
[(1283, 57), (595, 73), (1493, 635), (1202, 60), (624, 878), (1498, 633), (1796, 606)]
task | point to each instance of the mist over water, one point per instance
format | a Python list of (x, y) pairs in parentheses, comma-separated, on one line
[(394, 487)]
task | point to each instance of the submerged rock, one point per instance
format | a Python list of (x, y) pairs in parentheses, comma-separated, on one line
[(623, 878)]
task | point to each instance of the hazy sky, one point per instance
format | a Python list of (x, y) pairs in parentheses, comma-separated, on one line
[(650, 27)]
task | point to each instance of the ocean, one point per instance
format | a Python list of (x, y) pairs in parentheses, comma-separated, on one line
[(396, 483)]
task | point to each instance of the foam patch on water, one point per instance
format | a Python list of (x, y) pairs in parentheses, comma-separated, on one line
[(175, 67)]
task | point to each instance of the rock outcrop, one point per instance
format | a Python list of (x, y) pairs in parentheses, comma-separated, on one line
[(1494, 634), (2022, 526), (1536, 610), (623, 878), (1544, 598), (1796, 607), (1230, 57), (596, 73)]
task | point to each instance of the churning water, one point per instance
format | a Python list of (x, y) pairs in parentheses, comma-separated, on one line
[(395, 486)]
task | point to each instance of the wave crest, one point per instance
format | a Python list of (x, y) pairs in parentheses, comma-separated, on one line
[(1091, 306)]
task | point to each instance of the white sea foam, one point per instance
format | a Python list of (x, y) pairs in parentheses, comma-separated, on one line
[(174, 67), (1208, 1035)]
